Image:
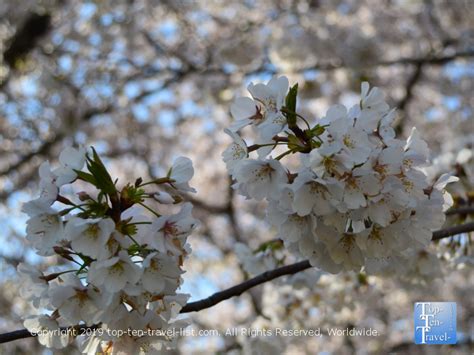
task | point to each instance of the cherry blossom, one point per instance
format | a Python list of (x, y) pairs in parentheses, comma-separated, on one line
[(168, 233), (263, 110), (70, 159), (358, 195), (48, 331), (260, 178), (114, 273), (181, 172), (236, 152), (89, 236), (125, 259), (45, 230)]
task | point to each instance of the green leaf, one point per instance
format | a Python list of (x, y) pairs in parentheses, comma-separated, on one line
[(315, 144), (86, 177), (103, 179), (317, 131), (294, 143), (87, 261), (132, 249), (290, 104), (272, 245)]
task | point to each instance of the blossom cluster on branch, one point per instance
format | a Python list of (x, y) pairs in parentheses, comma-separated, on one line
[(359, 197), (124, 260)]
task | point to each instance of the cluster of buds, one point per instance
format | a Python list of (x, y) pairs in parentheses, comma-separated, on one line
[(359, 198), (122, 259)]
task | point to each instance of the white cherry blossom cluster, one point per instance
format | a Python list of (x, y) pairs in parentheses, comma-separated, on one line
[(359, 197), (123, 264)]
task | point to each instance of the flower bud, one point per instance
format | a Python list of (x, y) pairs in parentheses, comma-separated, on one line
[(83, 196), (163, 197)]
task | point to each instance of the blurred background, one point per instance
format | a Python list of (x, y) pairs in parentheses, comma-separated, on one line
[(147, 81)]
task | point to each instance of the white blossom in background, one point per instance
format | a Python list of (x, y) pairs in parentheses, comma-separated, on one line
[(360, 195), (127, 263), (255, 263)]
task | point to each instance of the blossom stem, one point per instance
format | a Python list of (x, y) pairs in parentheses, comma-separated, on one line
[(75, 261), (51, 277), (284, 154), (149, 209), (158, 181), (287, 110), (67, 201), (258, 146), (133, 239)]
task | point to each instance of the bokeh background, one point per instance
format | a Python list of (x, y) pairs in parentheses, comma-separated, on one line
[(147, 81)]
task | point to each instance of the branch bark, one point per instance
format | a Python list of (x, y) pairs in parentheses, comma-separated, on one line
[(246, 285), (460, 210), (454, 230)]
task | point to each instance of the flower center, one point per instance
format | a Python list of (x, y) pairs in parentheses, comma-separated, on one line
[(117, 268), (170, 229), (347, 242), (348, 142), (265, 172), (93, 231), (376, 235)]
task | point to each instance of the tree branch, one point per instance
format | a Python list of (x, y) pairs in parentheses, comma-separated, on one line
[(293, 269), (246, 285), (48, 144), (403, 103), (427, 60), (460, 210), (454, 230)]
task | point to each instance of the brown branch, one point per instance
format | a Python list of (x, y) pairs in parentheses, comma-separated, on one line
[(460, 210), (412, 81), (214, 209), (427, 60), (246, 285), (403, 103), (293, 269), (34, 28), (431, 60), (454, 230), (24, 333)]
